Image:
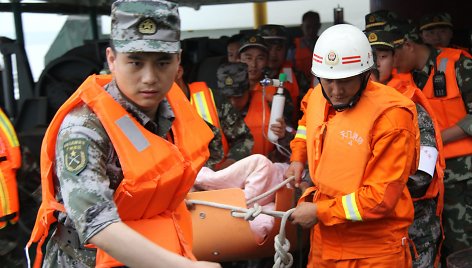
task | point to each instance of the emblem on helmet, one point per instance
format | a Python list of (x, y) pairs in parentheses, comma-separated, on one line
[(332, 58), (228, 81)]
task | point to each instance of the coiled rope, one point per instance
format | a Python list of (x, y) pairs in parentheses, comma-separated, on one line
[(282, 258)]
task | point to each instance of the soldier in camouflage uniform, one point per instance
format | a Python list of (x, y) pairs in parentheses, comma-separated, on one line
[(411, 55), (234, 128), (143, 58), (425, 230)]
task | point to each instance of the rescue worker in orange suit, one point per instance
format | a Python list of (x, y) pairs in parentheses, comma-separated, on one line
[(10, 162), (233, 83), (302, 54), (426, 185), (359, 139), (276, 38), (232, 140), (443, 75), (122, 152)]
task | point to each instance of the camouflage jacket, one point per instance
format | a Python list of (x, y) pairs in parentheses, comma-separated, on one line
[(88, 195)]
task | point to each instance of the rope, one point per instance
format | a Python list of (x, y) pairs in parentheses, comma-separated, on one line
[(271, 191), (282, 258)]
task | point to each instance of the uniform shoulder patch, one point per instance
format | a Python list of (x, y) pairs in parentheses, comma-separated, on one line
[(75, 155)]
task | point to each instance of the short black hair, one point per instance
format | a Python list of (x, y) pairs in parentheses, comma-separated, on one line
[(311, 15)]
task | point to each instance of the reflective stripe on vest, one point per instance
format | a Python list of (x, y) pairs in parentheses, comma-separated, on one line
[(7, 128), (301, 132), (350, 207), (204, 102)]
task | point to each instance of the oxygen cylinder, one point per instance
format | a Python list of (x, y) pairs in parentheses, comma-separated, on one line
[(278, 104)]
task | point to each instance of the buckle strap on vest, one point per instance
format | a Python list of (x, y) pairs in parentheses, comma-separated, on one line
[(8, 217)]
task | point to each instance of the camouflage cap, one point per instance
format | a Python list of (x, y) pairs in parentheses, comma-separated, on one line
[(232, 79), (406, 30), (145, 26), (253, 41), (382, 39), (273, 32), (436, 19), (378, 19)]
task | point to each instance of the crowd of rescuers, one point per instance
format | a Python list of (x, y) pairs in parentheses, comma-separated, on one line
[(403, 201)]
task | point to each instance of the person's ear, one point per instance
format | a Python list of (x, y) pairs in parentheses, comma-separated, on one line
[(111, 58)]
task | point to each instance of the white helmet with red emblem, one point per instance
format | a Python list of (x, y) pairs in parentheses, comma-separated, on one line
[(341, 51)]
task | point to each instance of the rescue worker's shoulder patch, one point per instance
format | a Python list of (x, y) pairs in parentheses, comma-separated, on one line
[(75, 155)]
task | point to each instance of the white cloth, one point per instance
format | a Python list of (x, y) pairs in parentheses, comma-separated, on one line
[(255, 175)]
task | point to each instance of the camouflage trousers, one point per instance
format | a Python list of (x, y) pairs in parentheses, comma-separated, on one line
[(425, 232), (457, 213)]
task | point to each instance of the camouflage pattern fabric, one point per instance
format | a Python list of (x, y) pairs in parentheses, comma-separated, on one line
[(232, 79), (425, 230), (87, 193), (237, 133), (457, 213), (145, 26), (435, 20)]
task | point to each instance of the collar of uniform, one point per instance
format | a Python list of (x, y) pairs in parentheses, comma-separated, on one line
[(164, 117)]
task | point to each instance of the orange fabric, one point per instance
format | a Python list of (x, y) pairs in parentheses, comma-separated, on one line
[(150, 198), (258, 114), (207, 108), (375, 177), (398, 259), (303, 58), (451, 108), (10, 162)]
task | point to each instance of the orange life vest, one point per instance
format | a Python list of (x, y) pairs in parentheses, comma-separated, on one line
[(303, 57), (403, 82), (150, 198), (254, 121), (10, 161), (349, 134), (201, 97), (449, 109)]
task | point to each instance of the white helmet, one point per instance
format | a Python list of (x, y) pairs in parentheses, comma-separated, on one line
[(341, 51)]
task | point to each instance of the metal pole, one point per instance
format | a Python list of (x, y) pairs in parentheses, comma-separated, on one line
[(93, 23), (16, 10), (260, 14)]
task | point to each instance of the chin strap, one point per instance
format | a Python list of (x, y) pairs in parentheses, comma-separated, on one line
[(353, 101)]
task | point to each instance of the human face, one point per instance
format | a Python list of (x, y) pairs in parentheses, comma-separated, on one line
[(144, 78), (310, 28), (341, 91), (277, 53), (256, 60), (239, 102), (384, 62), (437, 36), (233, 52), (404, 58)]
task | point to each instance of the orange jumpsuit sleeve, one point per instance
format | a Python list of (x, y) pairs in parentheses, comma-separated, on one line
[(298, 144), (393, 148)]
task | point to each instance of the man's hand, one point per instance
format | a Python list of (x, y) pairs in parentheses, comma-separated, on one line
[(295, 169), (305, 215), (278, 128)]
